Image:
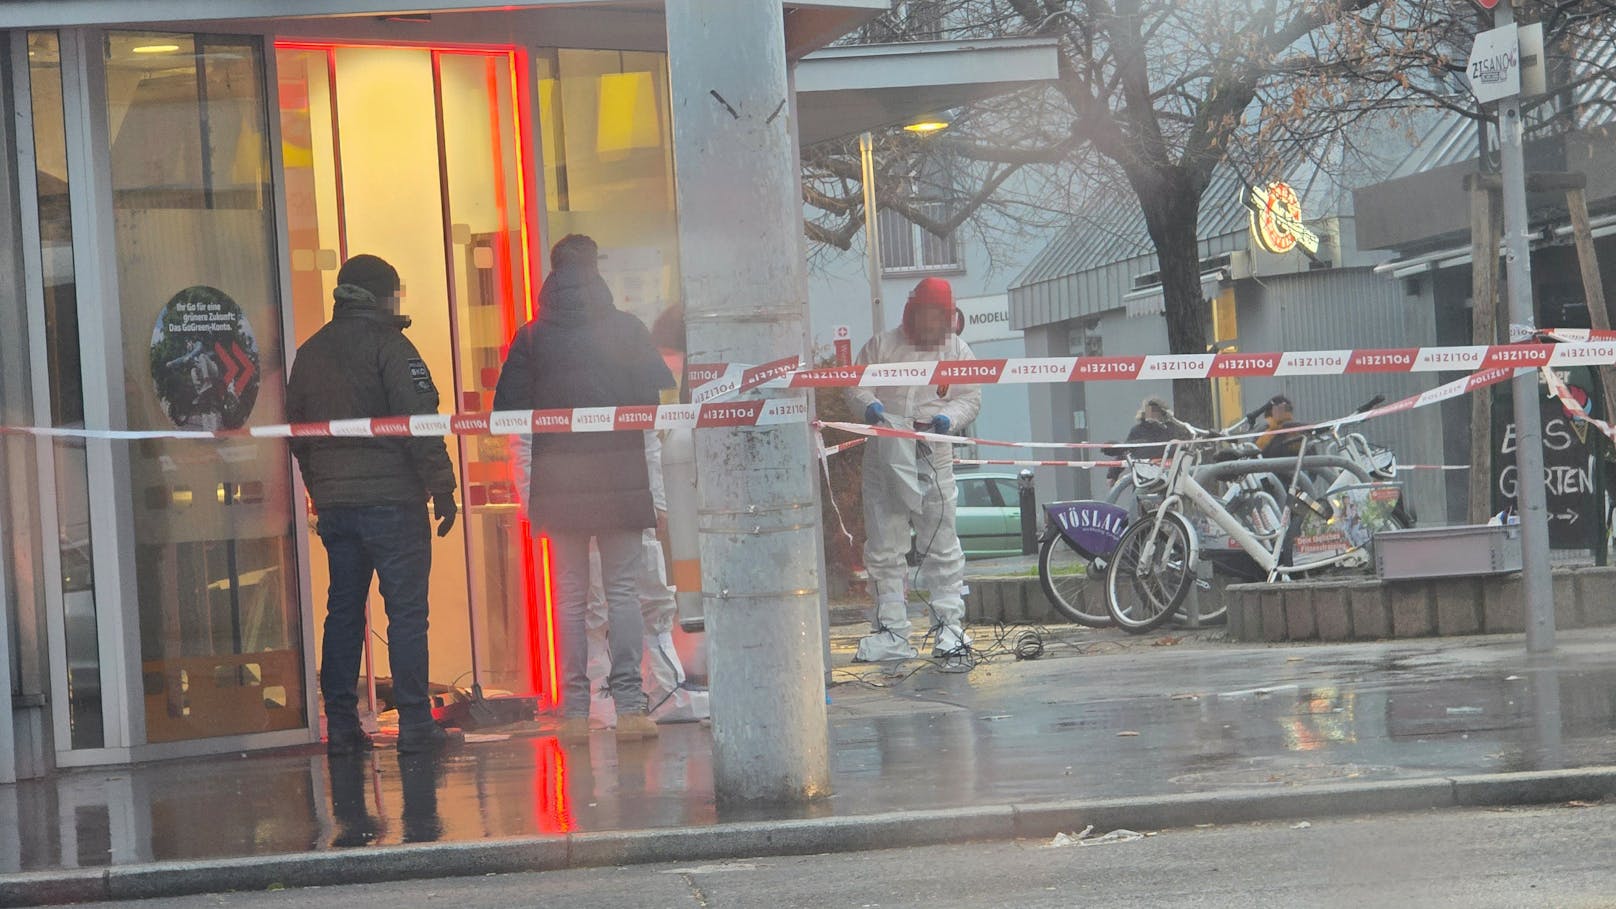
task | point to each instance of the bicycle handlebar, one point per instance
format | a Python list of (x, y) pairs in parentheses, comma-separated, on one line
[(1371, 404)]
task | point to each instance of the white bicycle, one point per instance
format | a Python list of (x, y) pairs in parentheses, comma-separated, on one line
[(1157, 558)]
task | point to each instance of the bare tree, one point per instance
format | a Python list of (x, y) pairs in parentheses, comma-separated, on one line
[(1157, 94)]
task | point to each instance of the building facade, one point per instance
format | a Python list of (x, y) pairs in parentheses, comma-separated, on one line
[(183, 180)]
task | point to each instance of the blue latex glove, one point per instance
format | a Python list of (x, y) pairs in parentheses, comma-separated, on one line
[(941, 423), (875, 414)]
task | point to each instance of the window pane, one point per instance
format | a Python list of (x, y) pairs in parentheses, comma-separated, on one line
[(608, 151), (897, 239), (200, 306), (66, 390), (937, 252)]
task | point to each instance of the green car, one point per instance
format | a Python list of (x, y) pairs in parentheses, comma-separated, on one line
[(988, 513)]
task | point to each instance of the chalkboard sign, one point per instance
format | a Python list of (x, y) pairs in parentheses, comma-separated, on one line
[(1570, 472)]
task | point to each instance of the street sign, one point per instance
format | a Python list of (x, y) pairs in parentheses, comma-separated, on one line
[(1494, 67), (1487, 4), (843, 341)]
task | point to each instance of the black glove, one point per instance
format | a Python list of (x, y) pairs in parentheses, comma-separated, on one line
[(443, 508)]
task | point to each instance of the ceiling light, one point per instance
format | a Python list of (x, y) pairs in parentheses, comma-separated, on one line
[(926, 126), (157, 48)]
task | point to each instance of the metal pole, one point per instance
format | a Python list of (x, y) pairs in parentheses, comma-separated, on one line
[(1536, 582), (872, 232), (746, 295)]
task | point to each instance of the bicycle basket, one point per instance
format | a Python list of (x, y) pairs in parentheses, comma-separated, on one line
[(1148, 478), (1382, 461)]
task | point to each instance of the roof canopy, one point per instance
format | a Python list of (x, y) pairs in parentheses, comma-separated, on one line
[(843, 91)]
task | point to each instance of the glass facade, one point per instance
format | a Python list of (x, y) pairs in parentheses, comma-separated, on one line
[(608, 168), (199, 300), (424, 155)]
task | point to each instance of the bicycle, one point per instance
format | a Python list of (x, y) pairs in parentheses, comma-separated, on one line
[(1155, 562), (1078, 536)]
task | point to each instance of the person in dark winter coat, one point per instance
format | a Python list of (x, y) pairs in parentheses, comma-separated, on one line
[(581, 351), (1153, 423), (370, 495)]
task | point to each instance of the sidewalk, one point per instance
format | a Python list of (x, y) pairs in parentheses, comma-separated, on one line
[(1102, 729)]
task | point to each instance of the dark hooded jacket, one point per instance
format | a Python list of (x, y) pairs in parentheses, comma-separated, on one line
[(582, 351), (360, 365)]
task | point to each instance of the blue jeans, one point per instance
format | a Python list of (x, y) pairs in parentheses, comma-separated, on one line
[(622, 560), (395, 543)]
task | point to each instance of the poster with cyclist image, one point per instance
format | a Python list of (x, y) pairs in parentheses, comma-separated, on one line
[(204, 360), (1350, 517)]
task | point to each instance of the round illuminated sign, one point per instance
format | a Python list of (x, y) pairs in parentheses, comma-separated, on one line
[(1277, 222)]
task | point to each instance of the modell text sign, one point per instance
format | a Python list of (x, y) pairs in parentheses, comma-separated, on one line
[(1494, 69)]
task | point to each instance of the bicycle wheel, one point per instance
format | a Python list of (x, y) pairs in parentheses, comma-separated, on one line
[(1142, 595), (1064, 574)]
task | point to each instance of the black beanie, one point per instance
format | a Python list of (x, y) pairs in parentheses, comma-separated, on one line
[(372, 273)]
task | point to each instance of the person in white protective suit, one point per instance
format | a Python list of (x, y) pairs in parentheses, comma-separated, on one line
[(669, 701), (909, 485), (669, 698)]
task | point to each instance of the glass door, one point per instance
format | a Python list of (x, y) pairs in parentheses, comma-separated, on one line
[(415, 155), (199, 303)]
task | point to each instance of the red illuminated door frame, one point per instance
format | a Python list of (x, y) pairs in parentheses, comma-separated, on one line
[(538, 584)]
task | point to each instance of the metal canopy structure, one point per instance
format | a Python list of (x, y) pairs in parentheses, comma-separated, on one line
[(809, 24), (843, 91)]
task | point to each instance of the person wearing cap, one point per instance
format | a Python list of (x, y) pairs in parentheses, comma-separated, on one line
[(908, 486), (581, 351), (370, 495)]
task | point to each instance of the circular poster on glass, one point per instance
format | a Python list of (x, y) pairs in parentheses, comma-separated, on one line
[(204, 360)]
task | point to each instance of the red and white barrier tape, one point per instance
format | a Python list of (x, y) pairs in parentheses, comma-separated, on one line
[(772, 412), (827, 451), (1573, 407), (1453, 389), (710, 382), (1026, 463), (1586, 349)]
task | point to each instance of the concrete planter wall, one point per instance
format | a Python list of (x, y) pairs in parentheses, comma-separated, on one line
[(1342, 610), (1368, 609)]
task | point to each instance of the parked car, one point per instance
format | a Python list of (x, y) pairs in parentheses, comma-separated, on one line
[(988, 513)]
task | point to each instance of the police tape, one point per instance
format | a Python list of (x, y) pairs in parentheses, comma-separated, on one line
[(712, 382), (1454, 389), (729, 414), (1573, 407), (826, 451), (1012, 462), (1582, 349)]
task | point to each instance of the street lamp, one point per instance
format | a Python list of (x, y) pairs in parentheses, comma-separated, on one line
[(924, 125)]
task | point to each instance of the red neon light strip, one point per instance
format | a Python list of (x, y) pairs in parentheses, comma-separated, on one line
[(522, 101), (502, 238), (547, 668)]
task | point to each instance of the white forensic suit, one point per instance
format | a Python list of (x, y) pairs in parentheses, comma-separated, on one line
[(661, 669), (909, 485)]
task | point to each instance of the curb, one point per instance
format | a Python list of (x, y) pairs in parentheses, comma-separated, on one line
[(797, 837)]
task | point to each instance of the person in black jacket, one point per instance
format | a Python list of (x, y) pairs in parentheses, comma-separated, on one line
[(1153, 423), (370, 495), (581, 351)]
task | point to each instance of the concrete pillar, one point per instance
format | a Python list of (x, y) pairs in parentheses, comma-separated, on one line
[(746, 301)]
